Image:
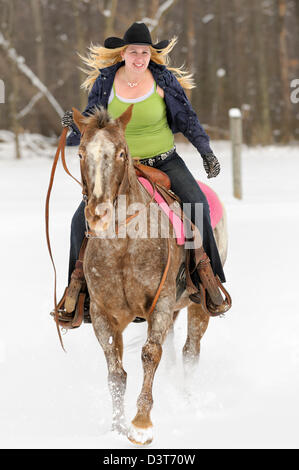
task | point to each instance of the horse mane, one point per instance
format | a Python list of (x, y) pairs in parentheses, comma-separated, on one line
[(98, 118)]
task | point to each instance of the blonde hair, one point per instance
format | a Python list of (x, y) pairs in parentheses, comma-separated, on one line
[(100, 57)]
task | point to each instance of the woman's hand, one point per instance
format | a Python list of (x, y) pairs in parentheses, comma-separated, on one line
[(211, 165), (67, 119)]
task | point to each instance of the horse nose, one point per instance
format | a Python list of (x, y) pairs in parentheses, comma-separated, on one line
[(99, 217)]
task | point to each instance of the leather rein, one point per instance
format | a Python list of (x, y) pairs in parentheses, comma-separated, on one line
[(90, 234)]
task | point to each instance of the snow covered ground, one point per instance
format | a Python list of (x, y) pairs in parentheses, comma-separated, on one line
[(245, 393)]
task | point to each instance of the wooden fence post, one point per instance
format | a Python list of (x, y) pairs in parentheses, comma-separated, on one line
[(2, 92), (235, 118)]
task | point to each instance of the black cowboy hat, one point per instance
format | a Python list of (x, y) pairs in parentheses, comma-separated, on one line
[(138, 33)]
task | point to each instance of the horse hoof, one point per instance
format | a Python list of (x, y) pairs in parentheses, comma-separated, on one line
[(120, 428), (140, 436)]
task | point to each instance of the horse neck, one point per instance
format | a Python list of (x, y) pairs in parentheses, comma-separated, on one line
[(135, 192), (131, 197)]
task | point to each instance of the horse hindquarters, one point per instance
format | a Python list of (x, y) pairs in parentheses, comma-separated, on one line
[(221, 236)]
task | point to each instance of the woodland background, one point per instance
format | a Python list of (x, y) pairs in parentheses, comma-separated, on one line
[(243, 54)]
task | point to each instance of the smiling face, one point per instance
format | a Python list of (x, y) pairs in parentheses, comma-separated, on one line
[(136, 58)]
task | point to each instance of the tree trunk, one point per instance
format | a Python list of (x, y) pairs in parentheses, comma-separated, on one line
[(13, 98), (161, 12), (263, 131), (284, 72), (189, 22), (80, 47), (153, 8), (111, 7), (39, 39)]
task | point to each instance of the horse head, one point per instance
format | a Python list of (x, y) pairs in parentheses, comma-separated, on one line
[(104, 162)]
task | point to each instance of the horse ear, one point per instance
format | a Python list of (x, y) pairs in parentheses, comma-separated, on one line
[(126, 117), (78, 119)]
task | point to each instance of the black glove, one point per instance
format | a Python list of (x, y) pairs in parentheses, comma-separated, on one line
[(67, 119), (211, 165)]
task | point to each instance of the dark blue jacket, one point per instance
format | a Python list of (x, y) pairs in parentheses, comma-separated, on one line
[(180, 114)]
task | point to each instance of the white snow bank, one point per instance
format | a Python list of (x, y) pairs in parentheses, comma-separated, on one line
[(31, 145)]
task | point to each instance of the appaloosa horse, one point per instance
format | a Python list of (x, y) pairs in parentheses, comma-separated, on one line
[(123, 272)]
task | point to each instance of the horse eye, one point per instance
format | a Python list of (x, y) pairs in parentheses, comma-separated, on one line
[(121, 154), (80, 156)]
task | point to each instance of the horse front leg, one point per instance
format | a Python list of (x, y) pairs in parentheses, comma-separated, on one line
[(141, 430), (112, 343)]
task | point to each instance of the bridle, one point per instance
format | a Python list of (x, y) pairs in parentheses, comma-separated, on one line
[(122, 189)]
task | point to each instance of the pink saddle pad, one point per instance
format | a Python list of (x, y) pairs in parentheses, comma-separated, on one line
[(174, 219), (216, 209), (212, 198)]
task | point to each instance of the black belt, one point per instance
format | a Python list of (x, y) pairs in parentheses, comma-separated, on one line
[(157, 158)]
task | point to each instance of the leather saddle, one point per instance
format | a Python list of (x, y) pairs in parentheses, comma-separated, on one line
[(157, 176)]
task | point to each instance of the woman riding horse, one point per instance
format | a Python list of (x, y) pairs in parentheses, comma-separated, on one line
[(136, 72)]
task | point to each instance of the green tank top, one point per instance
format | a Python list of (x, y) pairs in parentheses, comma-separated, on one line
[(147, 133)]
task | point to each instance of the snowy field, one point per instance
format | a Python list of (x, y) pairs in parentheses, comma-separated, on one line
[(245, 393)]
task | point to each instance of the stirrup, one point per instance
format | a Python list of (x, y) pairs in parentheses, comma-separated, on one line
[(202, 297), (216, 310), (70, 320), (212, 309)]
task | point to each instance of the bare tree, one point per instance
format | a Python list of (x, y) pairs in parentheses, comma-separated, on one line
[(155, 22), (19, 62), (110, 14), (284, 71), (152, 8), (8, 16), (243, 54), (190, 32), (264, 133), (80, 46), (39, 39)]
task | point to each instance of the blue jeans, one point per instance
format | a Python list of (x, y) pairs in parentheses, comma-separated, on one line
[(186, 187)]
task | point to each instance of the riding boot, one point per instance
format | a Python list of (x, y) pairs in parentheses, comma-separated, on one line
[(209, 293), (73, 308), (77, 281), (74, 288)]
